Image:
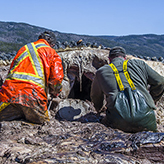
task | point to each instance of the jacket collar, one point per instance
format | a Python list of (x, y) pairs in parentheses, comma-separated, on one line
[(43, 40), (117, 59)]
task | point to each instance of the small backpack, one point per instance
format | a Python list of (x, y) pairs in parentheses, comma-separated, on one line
[(131, 105)]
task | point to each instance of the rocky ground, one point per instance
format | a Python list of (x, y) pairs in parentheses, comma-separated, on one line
[(81, 138)]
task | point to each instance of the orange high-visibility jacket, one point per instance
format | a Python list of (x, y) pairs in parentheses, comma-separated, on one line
[(35, 67)]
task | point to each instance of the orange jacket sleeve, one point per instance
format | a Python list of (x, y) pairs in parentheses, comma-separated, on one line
[(56, 75)]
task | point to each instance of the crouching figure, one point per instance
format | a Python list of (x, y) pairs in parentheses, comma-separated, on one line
[(130, 104), (35, 71)]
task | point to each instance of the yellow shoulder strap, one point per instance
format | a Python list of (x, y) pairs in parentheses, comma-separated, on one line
[(117, 76), (127, 75)]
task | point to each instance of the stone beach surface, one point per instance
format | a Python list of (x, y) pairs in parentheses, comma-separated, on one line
[(81, 138)]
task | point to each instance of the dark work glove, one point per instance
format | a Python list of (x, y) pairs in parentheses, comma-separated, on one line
[(55, 90)]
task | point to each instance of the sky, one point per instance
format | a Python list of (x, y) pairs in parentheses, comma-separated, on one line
[(88, 17)]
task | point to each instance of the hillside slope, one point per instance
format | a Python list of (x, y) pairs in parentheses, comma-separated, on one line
[(14, 35), (144, 45)]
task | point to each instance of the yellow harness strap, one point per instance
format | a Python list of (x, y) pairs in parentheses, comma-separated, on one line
[(3, 105), (127, 75), (117, 76)]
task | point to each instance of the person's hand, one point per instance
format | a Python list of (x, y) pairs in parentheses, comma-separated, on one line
[(55, 90), (103, 109), (53, 95)]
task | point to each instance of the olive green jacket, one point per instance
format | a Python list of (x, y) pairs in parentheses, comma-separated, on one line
[(142, 75)]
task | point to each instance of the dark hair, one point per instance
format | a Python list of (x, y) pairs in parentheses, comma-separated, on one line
[(117, 51), (49, 37)]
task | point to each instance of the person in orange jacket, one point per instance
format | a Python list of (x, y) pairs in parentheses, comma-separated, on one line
[(35, 71)]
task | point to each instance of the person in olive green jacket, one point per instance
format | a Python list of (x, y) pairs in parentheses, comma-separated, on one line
[(143, 77)]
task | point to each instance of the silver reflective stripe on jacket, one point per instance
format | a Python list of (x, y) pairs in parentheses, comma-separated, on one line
[(31, 52)]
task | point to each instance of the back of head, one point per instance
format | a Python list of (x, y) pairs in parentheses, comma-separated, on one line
[(116, 52), (49, 37)]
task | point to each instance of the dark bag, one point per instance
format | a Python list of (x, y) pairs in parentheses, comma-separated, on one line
[(131, 105)]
